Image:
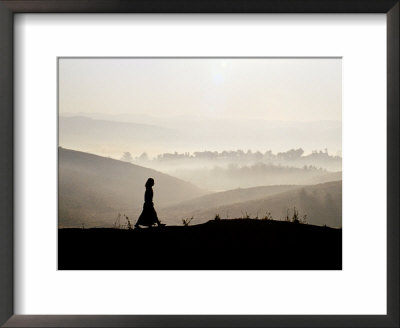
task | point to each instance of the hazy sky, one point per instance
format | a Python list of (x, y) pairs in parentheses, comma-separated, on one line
[(269, 89)]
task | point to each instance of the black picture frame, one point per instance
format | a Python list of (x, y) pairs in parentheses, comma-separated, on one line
[(10, 7)]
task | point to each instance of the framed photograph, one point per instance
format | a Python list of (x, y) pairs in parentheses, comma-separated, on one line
[(199, 164)]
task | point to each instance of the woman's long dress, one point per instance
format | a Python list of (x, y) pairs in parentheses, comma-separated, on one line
[(149, 214)]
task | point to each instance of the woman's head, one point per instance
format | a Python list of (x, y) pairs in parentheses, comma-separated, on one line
[(149, 183)]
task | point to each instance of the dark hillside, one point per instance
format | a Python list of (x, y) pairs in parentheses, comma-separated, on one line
[(225, 244)]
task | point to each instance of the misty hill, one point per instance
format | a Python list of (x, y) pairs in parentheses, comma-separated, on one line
[(215, 245), (260, 174), (195, 207), (93, 189), (322, 203), (109, 137)]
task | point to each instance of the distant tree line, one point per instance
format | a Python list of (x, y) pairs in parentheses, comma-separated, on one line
[(290, 155)]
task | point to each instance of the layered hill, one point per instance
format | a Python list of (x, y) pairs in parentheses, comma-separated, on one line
[(92, 189), (197, 206), (322, 203), (259, 174), (103, 136)]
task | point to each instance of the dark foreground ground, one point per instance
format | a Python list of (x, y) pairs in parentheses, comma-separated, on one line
[(242, 244)]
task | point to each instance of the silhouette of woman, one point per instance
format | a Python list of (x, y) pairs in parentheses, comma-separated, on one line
[(149, 214)]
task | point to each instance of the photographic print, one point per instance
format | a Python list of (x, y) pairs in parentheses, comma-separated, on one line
[(199, 163)]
